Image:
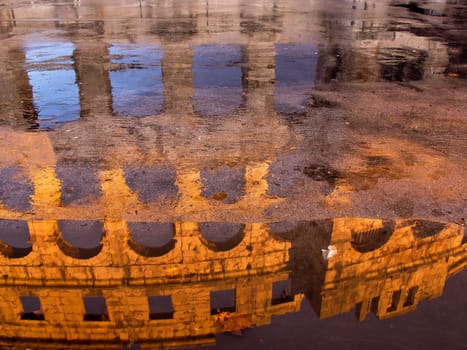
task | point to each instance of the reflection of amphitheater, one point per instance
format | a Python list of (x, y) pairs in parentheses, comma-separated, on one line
[(189, 59), (173, 292), (110, 268)]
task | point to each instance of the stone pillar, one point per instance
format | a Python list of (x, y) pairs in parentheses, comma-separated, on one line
[(192, 308), (6, 20), (259, 77), (41, 164), (116, 195), (189, 186), (16, 97), (253, 298), (362, 309), (178, 78), (10, 306), (116, 198), (63, 306), (92, 74), (256, 184)]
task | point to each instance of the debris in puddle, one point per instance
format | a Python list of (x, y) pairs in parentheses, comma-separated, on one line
[(219, 196), (329, 253), (319, 172)]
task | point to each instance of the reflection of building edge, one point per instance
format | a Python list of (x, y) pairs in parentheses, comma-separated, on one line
[(385, 267), (390, 279)]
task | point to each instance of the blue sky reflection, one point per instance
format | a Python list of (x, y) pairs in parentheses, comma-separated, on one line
[(53, 81), (136, 78)]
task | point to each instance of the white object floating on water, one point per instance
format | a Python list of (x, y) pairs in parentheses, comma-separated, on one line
[(329, 253)]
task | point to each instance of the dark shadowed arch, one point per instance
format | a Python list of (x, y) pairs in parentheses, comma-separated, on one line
[(221, 236), (423, 228), (16, 188), (14, 239), (80, 239), (223, 184), (366, 241), (151, 239)]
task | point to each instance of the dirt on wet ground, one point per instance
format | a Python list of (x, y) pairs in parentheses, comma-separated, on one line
[(377, 149)]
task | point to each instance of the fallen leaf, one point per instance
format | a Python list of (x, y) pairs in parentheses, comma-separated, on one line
[(219, 196)]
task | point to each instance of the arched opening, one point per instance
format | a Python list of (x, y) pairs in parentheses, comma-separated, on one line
[(79, 184), (423, 229), (286, 230), (223, 184), (295, 75), (14, 239), (221, 236), (151, 239), (53, 80), (366, 241), (217, 79), (297, 231), (136, 79), (152, 183), (16, 188), (80, 239)]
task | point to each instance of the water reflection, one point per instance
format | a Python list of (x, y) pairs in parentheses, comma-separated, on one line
[(80, 184), (15, 188), (80, 77), (136, 80), (53, 81), (217, 79), (283, 262), (198, 167), (295, 76)]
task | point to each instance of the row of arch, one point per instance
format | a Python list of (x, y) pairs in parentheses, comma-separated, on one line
[(82, 239), (369, 240), (134, 80), (82, 185)]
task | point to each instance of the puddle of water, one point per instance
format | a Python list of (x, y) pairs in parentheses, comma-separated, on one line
[(151, 234), (152, 183), (82, 234), (413, 6), (79, 184), (15, 233), (53, 81), (136, 79), (217, 79), (295, 76), (224, 184), (15, 188), (402, 64)]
